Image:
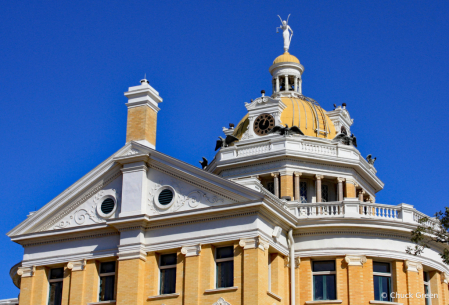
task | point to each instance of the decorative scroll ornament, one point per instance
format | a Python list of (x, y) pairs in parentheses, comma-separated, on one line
[(132, 152), (221, 301), (355, 260), (191, 250), (413, 266), (77, 265), (445, 278), (193, 199), (253, 243), (80, 216), (26, 271)]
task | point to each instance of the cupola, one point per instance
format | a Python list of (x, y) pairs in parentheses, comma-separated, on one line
[(286, 73)]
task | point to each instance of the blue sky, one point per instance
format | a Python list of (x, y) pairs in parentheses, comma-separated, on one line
[(65, 65)]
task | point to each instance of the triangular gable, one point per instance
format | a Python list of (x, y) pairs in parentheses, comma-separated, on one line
[(78, 205)]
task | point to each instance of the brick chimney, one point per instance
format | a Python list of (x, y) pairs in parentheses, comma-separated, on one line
[(143, 107)]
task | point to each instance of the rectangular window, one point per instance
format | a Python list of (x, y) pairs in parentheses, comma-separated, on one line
[(427, 287), (270, 187), (107, 281), (325, 193), (303, 191), (382, 281), (55, 283), (168, 273), (324, 283), (224, 258)]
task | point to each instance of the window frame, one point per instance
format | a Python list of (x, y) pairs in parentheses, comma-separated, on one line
[(105, 274), (221, 260), (324, 273), (427, 284), (384, 274), (166, 267), (54, 281)]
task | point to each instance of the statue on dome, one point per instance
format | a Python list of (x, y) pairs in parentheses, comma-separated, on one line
[(285, 32)]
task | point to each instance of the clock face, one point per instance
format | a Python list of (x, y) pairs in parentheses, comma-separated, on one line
[(263, 124)]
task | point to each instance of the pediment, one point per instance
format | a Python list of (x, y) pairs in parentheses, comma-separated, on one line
[(79, 204), (264, 102)]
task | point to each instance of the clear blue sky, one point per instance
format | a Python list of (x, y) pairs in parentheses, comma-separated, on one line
[(65, 65)]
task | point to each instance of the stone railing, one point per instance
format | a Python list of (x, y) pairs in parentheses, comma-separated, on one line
[(356, 209)]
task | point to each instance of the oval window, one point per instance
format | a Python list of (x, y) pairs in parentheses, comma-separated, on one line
[(165, 197), (107, 206)]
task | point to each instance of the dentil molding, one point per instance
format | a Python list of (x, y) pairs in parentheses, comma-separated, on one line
[(191, 250), (253, 243), (355, 260), (26, 271), (77, 265), (413, 266)]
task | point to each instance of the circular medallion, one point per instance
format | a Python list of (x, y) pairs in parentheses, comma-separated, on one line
[(263, 124)]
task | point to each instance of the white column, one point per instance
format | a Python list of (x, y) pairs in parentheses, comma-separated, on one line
[(296, 84), (318, 188), (297, 186), (277, 83), (286, 83), (340, 188), (300, 86), (276, 184)]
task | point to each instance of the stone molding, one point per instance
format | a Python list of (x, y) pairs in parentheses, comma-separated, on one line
[(297, 174), (445, 277), (76, 265), (297, 262), (193, 250), (132, 252), (341, 179), (275, 174), (221, 301), (253, 243), (355, 260), (26, 271), (413, 266)]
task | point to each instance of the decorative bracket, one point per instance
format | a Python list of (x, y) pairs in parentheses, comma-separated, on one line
[(355, 260), (26, 271), (77, 265), (191, 250), (413, 266), (445, 277), (253, 243)]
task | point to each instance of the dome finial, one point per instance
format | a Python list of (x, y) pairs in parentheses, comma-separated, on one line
[(285, 33)]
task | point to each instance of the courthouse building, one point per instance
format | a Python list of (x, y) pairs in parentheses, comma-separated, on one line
[(279, 216)]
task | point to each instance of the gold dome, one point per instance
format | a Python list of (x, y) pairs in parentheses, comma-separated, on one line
[(302, 112), (286, 57)]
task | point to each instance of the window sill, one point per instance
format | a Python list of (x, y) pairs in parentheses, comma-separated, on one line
[(164, 296), (325, 302), (234, 288), (384, 303), (102, 302), (274, 296)]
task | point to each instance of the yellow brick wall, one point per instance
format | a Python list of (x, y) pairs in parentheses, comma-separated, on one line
[(77, 284), (341, 269), (287, 186), (26, 290), (305, 281), (399, 280), (130, 281), (350, 191), (444, 291), (436, 288), (141, 124), (66, 286), (415, 284), (91, 282), (278, 276)]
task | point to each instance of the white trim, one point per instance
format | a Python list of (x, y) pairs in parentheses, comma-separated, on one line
[(384, 303), (233, 288), (158, 192), (324, 273), (102, 302), (102, 199), (274, 296), (164, 296), (325, 302)]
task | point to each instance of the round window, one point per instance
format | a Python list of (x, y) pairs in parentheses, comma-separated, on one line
[(165, 197), (107, 207)]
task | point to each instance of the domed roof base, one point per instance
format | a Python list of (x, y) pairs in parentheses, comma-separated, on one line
[(286, 57)]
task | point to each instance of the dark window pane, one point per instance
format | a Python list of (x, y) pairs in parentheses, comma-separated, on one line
[(381, 267), (55, 294), (324, 287), (225, 252), (426, 290), (107, 288), (168, 281), (107, 267), (168, 259), (426, 276), (225, 274), (324, 266), (382, 288), (57, 273)]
